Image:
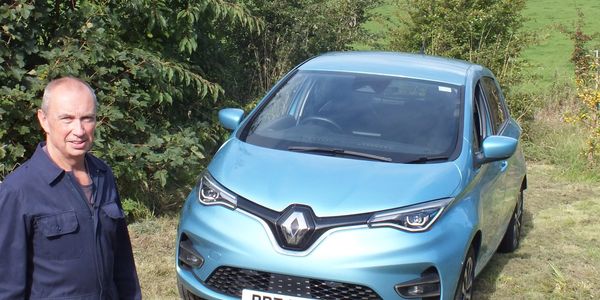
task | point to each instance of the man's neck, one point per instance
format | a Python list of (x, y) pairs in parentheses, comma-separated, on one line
[(76, 167), (69, 165)]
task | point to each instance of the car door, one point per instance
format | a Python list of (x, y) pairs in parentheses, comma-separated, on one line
[(491, 184), (500, 117)]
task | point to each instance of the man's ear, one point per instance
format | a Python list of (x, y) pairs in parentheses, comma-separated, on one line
[(42, 118)]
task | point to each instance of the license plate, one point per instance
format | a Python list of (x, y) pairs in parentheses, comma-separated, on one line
[(256, 295)]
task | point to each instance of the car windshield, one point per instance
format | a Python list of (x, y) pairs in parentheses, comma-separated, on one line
[(360, 116)]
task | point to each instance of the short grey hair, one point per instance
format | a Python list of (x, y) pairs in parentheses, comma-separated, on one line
[(56, 82)]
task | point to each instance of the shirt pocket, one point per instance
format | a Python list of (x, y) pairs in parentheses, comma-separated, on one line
[(57, 236), (111, 217), (113, 211)]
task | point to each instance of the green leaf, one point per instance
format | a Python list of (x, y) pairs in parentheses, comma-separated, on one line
[(161, 176)]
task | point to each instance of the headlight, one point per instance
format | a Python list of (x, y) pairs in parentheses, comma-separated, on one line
[(413, 218), (212, 193)]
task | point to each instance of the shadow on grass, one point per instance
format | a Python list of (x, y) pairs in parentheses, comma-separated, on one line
[(485, 284)]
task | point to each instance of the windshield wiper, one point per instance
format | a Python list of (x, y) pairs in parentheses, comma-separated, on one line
[(335, 151), (425, 159)]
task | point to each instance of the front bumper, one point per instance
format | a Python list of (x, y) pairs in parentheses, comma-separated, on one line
[(376, 258)]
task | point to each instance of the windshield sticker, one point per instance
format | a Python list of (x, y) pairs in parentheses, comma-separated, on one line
[(444, 89)]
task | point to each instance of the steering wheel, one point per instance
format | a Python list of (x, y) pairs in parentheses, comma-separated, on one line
[(330, 123)]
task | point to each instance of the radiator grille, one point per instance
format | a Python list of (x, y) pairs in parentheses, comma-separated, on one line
[(232, 281)]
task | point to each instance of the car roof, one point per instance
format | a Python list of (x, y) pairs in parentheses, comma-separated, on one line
[(417, 66)]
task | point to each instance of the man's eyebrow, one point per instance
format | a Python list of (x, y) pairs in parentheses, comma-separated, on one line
[(63, 116)]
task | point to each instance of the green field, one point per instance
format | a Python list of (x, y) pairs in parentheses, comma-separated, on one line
[(550, 58)]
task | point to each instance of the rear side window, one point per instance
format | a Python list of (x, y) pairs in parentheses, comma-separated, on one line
[(479, 120), (496, 109)]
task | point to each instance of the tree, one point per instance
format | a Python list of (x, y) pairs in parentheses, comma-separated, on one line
[(294, 31), (587, 81), (160, 69), (148, 64), (486, 32)]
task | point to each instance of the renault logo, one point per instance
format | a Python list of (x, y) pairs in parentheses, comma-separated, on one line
[(294, 228)]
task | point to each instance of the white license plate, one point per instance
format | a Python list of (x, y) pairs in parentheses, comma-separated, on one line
[(256, 295)]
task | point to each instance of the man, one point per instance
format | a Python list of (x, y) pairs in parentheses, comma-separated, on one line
[(62, 230)]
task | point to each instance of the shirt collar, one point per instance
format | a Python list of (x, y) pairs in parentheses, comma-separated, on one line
[(51, 172)]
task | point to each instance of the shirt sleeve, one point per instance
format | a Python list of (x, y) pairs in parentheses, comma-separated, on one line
[(125, 274), (13, 244)]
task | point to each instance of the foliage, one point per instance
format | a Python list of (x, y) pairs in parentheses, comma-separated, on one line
[(549, 58), (487, 32), (153, 78), (587, 80), (294, 31), (135, 210), (160, 70)]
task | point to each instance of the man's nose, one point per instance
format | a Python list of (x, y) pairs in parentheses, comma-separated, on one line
[(78, 128)]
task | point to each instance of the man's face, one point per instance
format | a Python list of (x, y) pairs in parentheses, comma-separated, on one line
[(69, 122)]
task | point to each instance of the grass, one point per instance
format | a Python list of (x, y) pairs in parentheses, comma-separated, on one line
[(551, 140), (153, 243), (559, 256), (550, 58), (561, 145), (384, 19)]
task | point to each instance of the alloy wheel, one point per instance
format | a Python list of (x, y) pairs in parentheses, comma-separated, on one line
[(518, 216)]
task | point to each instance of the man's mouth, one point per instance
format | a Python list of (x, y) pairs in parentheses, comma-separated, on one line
[(78, 143)]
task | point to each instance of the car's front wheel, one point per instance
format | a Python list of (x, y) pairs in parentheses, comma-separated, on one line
[(185, 294), (464, 289), (511, 239)]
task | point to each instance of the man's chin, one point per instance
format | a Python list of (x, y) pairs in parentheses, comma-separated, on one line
[(77, 150)]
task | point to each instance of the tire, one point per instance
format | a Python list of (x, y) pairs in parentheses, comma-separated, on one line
[(464, 288), (185, 294), (512, 236)]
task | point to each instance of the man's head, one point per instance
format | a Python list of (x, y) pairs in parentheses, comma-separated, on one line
[(68, 116)]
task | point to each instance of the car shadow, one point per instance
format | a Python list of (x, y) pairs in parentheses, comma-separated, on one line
[(485, 283)]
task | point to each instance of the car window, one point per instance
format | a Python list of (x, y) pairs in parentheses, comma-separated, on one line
[(496, 109), (479, 120), (403, 119)]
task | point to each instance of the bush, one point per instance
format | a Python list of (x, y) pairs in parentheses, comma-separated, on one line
[(146, 61), (160, 70), (587, 81), (487, 32), (295, 30)]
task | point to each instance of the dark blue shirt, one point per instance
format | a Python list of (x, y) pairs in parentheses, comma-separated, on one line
[(54, 245)]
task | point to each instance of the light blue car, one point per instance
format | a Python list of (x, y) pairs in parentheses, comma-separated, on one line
[(360, 175)]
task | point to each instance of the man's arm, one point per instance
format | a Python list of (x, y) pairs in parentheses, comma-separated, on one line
[(13, 245), (125, 274)]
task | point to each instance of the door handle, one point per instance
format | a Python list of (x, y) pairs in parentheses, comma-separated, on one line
[(503, 166)]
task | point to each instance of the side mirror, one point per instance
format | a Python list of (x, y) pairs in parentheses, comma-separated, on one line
[(496, 148), (230, 118)]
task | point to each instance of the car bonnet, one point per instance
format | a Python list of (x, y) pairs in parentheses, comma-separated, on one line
[(331, 186)]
